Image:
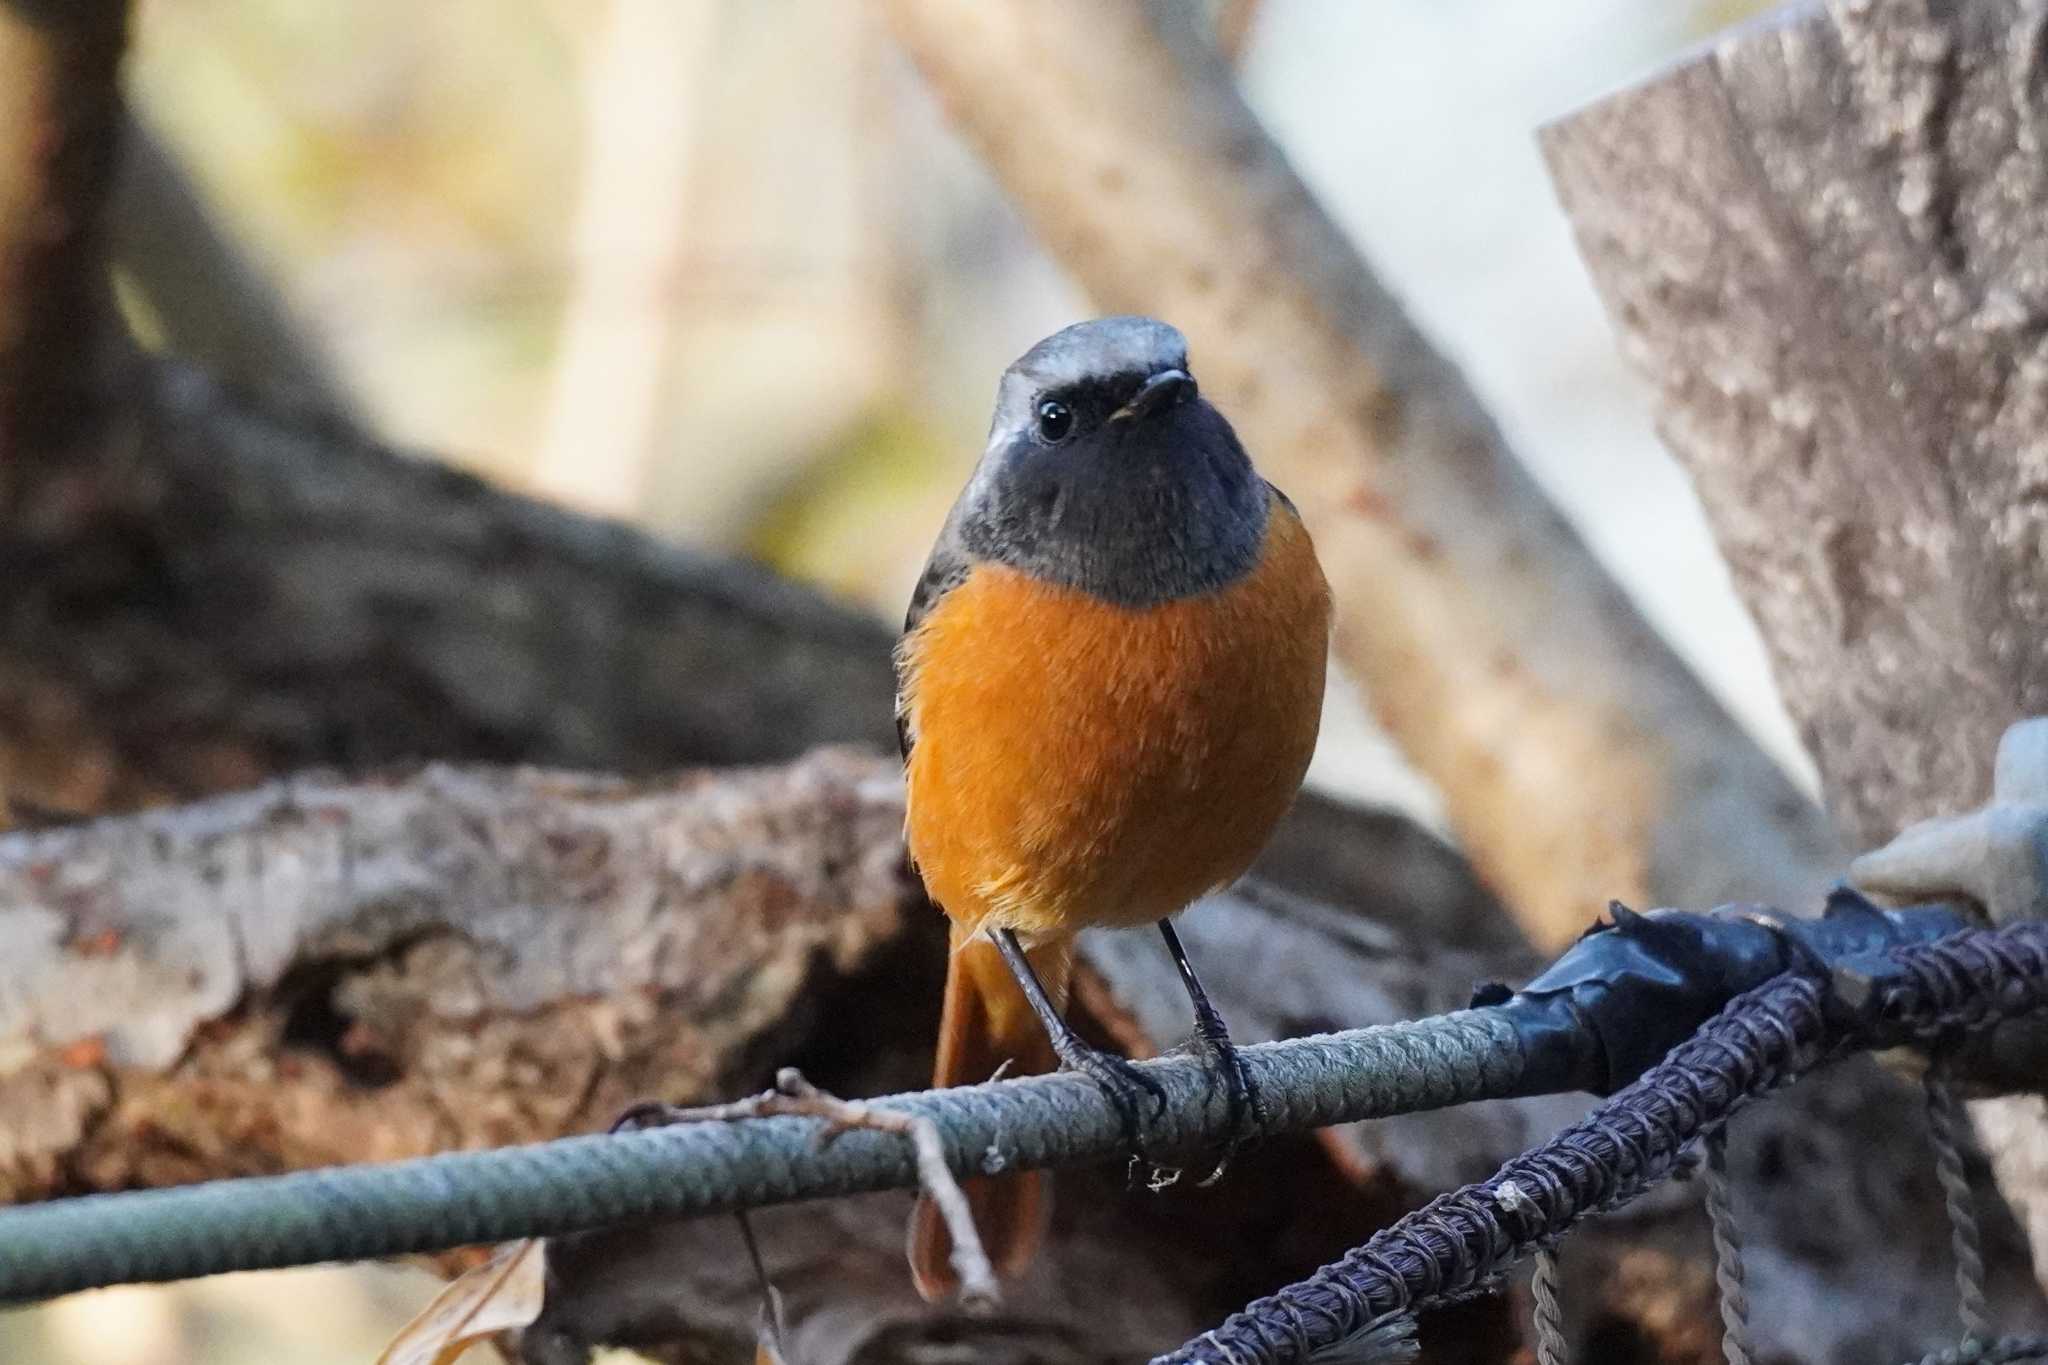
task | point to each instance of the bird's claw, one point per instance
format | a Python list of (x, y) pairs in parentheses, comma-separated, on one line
[(1247, 1108), (1123, 1083)]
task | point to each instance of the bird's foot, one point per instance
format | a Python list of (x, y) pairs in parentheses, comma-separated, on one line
[(1126, 1086), (1247, 1108)]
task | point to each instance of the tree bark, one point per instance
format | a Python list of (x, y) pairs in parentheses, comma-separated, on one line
[(58, 111), (320, 971), (1821, 238), (204, 590), (1579, 760), (324, 970), (212, 594)]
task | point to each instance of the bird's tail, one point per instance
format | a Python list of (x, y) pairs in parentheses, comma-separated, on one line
[(986, 1024)]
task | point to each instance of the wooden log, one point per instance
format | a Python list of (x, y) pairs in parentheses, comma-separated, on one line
[(1822, 238), (324, 969), (212, 592)]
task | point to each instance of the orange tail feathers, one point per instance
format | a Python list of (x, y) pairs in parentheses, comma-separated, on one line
[(986, 1023)]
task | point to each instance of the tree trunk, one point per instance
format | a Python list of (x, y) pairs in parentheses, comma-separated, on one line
[(323, 970), (1822, 238)]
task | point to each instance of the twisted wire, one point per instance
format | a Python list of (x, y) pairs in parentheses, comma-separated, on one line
[(2006, 1351), (1947, 1127), (1728, 1278), (1622, 1148), (1762, 1039), (1551, 1346)]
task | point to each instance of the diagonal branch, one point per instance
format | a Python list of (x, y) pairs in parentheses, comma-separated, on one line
[(229, 593), (1578, 758), (203, 290)]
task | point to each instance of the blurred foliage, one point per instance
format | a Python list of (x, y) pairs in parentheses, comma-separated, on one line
[(822, 527)]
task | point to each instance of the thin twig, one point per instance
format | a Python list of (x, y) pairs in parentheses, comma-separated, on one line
[(793, 1096), (774, 1325)]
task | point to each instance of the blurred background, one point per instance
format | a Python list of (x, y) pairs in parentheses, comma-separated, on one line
[(719, 267)]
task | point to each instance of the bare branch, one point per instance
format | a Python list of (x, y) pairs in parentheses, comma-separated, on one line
[(1579, 759), (321, 971), (201, 287), (230, 593), (795, 1096), (59, 112)]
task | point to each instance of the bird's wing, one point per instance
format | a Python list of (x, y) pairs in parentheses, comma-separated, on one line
[(944, 571)]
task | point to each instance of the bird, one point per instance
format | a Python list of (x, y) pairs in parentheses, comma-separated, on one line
[(1109, 686)]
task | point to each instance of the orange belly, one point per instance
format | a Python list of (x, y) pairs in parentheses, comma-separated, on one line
[(1079, 763)]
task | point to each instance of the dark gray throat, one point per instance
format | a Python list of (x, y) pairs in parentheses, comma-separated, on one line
[(1136, 513)]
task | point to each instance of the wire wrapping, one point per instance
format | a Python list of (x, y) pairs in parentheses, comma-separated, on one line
[(1763, 1038), (1551, 1346), (1946, 1128), (1457, 1246), (1727, 1235), (2005, 1351)]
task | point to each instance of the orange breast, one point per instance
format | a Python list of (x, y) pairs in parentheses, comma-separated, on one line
[(1082, 763)]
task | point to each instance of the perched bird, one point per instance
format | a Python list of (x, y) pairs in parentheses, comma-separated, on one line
[(1108, 688)]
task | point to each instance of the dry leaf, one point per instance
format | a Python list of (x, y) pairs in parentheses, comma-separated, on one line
[(503, 1293)]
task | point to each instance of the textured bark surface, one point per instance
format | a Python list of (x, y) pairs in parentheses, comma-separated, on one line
[(1579, 760), (320, 971), (208, 594), (325, 970), (1822, 239)]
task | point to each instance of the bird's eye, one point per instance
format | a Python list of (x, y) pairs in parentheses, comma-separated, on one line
[(1055, 420)]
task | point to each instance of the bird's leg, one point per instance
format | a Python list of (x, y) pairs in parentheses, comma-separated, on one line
[(1247, 1111), (1119, 1080)]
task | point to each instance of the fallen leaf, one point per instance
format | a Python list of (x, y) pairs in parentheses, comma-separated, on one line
[(503, 1293)]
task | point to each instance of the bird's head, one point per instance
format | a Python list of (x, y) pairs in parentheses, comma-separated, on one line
[(1107, 470)]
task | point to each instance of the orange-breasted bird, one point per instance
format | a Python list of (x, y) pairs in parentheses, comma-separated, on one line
[(1108, 688)]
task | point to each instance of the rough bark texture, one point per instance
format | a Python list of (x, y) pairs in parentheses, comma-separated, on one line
[(322, 970), (1822, 238), (210, 594), (318, 972), (1579, 760)]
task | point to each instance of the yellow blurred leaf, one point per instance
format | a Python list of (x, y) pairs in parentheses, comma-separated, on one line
[(503, 1293)]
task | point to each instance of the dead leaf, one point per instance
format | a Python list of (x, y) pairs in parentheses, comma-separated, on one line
[(503, 1293)]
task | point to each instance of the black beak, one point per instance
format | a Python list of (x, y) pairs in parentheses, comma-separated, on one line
[(1162, 391)]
